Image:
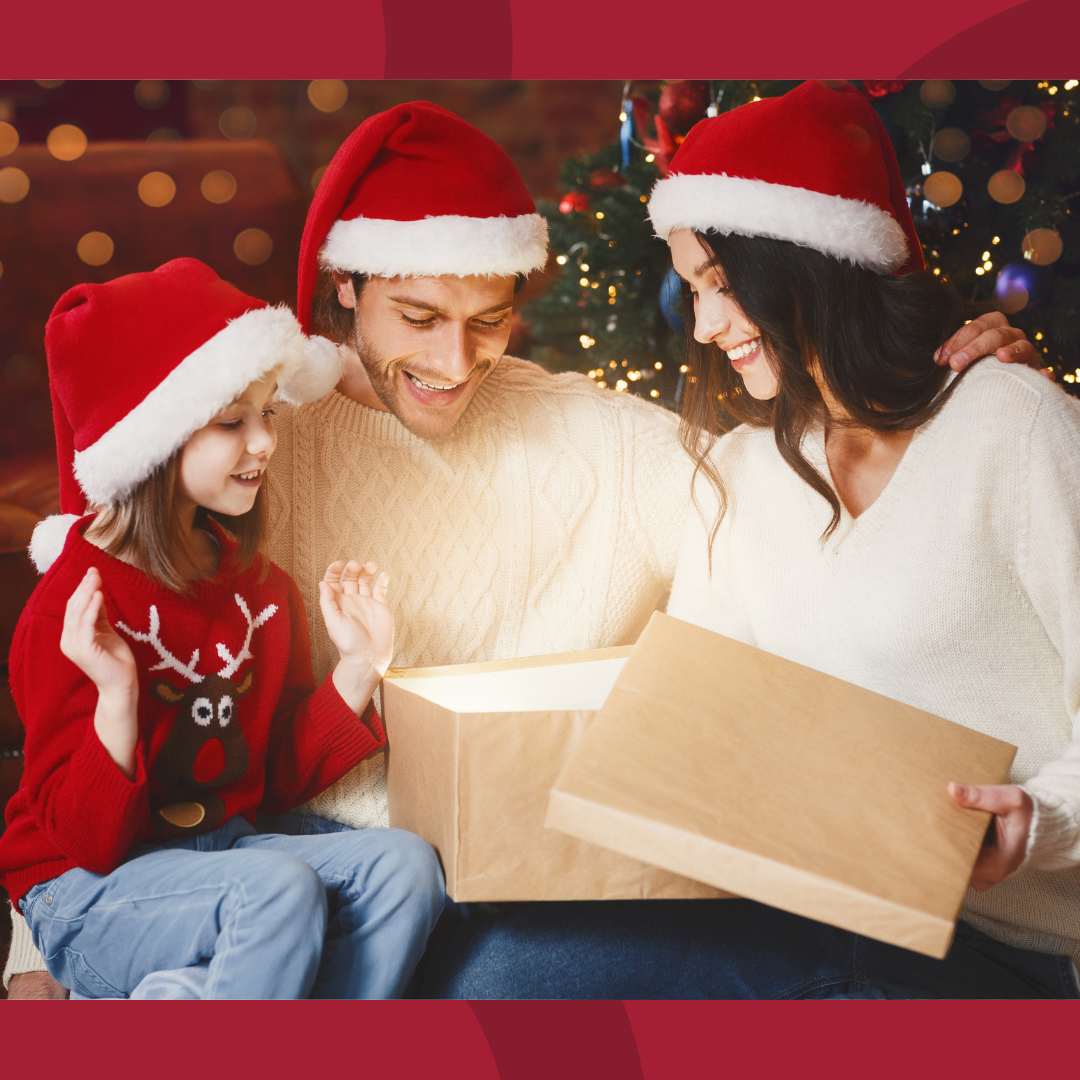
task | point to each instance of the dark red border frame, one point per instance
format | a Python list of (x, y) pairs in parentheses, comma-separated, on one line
[(368, 39)]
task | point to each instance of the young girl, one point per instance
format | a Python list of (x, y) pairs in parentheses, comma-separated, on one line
[(879, 519), (163, 675)]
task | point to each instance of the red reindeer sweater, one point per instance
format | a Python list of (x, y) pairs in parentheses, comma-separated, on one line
[(230, 719)]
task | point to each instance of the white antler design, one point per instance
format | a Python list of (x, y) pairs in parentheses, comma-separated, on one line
[(167, 658), (233, 662)]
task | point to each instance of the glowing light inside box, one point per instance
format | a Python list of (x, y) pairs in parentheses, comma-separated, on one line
[(556, 687)]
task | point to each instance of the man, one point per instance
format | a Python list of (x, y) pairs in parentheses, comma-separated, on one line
[(518, 512)]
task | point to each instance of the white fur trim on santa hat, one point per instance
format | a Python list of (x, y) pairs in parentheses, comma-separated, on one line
[(316, 376), (843, 228), (431, 246), (200, 386), (49, 538)]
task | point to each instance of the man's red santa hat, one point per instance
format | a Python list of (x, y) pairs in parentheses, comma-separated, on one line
[(140, 363), (417, 192), (814, 167)]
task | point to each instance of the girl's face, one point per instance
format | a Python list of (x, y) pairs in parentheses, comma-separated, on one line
[(718, 319), (222, 464)]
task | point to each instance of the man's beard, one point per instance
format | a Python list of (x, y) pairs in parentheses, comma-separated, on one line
[(383, 378)]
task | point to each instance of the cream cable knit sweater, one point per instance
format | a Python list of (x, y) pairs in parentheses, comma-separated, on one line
[(550, 520), (958, 592)]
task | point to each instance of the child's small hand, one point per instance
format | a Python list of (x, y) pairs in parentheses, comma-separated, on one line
[(360, 624), (92, 645)]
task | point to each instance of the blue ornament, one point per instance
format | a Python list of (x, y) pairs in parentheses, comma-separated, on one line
[(1020, 284), (626, 136), (671, 301)]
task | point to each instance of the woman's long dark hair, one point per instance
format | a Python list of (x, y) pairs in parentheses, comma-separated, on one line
[(873, 337)]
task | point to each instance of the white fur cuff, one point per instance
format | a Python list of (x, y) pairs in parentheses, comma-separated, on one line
[(431, 246), (842, 228)]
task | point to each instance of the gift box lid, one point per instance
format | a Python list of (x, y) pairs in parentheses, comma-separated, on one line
[(722, 762)]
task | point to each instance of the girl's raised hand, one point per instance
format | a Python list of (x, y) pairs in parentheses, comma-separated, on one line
[(361, 625), (92, 645)]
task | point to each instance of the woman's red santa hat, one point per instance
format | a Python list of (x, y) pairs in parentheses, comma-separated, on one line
[(814, 167), (417, 192), (140, 363)]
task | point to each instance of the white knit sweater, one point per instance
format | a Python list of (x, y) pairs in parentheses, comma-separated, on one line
[(550, 520), (958, 591)]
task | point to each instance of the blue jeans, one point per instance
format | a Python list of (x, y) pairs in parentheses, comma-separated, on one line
[(710, 949), (344, 914)]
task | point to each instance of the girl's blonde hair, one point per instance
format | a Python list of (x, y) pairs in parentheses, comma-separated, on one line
[(145, 529)]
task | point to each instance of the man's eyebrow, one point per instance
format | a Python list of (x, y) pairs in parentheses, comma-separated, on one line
[(420, 305)]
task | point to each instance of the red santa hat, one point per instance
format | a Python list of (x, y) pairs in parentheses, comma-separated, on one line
[(138, 364), (814, 167), (417, 192)]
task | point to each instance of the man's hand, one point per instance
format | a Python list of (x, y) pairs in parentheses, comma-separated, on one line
[(35, 986), (990, 333), (1013, 810)]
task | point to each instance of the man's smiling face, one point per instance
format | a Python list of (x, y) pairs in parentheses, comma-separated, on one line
[(425, 344)]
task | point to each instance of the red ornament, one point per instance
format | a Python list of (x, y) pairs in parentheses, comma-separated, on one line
[(683, 104), (879, 88), (605, 178), (574, 200)]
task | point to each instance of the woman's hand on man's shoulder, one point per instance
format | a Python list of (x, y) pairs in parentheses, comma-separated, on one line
[(989, 334)]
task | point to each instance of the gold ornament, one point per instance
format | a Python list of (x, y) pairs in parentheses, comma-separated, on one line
[(942, 189), (1006, 186), (1025, 123), (951, 144), (1042, 246), (937, 93), (994, 84)]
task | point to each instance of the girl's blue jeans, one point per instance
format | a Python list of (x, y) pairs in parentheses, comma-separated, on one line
[(341, 915)]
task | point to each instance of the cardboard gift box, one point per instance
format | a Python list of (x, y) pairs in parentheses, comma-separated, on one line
[(725, 763), (472, 752)]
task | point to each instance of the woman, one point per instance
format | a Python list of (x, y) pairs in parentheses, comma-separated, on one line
[(878, 517)]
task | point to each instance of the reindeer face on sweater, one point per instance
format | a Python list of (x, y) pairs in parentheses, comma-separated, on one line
[(205, 748)]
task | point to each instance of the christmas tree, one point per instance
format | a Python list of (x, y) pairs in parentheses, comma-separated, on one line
[(991, 168)]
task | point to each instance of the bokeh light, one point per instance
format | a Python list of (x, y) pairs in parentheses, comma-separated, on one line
[(1042, 246), (937, 93), (95, 248), (942, 188), (1, 269), (14, 185), (49, 84), (1026, 123), (66, 142), (157, 189), (237, 122), (218, 186), (253, 247), (164, 134), (994, 84), (1006, 186), (9, 138), (327, 95), (951, 144), (151, 93), (316, 177)]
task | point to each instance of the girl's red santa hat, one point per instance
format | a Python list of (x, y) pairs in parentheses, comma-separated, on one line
[(417, 192), (814, 167), (140, 363)]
